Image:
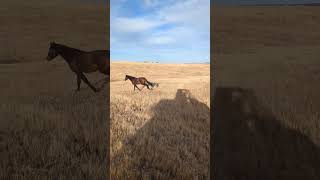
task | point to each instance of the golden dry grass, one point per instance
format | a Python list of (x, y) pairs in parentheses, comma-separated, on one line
[(28, 27), (161, 133), (47, 131), (266, 123)]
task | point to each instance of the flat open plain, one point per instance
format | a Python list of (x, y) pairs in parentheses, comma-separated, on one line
[(267, 71), (47, 130), (162, 133)]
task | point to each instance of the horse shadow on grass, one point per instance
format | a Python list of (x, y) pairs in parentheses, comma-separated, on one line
[(248, 142), (173, 144)]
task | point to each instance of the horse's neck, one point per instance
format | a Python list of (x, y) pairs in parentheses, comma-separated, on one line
[(131, 78), (68, 53)]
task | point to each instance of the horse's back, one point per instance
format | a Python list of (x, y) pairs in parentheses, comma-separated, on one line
[(94, 60), (142, 78), (99, 56), (102, 52)]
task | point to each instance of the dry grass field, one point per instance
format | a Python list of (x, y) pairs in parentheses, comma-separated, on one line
[(266, 122), (162, 133), (47, 130), (267, 70)]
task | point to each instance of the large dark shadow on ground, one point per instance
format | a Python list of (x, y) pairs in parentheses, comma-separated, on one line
[(250, 143), (173, 144)]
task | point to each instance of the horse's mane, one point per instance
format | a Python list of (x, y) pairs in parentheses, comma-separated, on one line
[(130, 76), (67, 47)]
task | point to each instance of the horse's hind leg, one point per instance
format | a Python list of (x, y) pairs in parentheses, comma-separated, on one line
[(107, 79), (105, 71), (83, 77)]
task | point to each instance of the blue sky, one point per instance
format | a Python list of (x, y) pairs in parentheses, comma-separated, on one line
[(168, 31)]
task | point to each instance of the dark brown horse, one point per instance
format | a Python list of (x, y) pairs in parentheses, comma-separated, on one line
[(81, 62), (140, 80)]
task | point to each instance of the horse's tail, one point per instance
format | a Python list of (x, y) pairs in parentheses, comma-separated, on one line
[(149, 83), (153, 84)]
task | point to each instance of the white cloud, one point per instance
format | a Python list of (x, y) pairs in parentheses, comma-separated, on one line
[(127, 25), (179, 25), (151, 3), (194, 13), (160, 40)]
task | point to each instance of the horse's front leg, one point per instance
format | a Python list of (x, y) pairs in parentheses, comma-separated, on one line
[(138, 88), (78, 82), (83, 77)]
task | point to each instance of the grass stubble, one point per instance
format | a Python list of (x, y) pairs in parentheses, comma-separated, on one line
[(266, 122), (47, 130), (161, 133), (265, 58)]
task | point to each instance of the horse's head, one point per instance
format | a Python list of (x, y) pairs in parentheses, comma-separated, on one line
[(126, 78), (52, 51)]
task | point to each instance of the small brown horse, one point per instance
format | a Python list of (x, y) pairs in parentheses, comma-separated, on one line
[(140, 80), (81, 62)]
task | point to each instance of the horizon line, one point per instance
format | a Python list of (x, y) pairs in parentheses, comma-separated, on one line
[(159, 62), (265, 4)]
